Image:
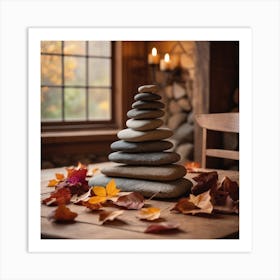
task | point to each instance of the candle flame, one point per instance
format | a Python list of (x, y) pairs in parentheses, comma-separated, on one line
[(154, 52), (166, 57)]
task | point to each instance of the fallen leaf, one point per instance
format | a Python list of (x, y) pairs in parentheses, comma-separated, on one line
[(62, 214), (60, 196), (53, 183), (59, 176), (161, 227), (97, 199), (229, 207), (78, 199), (150, 214), (205, 181), (109, 215), (92, 206), (111, 188), (231, 187), (195, 204), (99, 191), (133, 200)]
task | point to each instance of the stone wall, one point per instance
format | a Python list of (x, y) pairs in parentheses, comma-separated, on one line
[(177, 91)]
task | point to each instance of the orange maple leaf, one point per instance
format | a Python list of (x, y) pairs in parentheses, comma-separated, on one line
[(110, 190), (150, 214)]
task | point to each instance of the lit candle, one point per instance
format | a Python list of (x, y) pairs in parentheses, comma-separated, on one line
[(165, 64), (153, 57)]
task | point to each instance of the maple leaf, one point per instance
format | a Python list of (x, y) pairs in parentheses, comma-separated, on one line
[(62, 214), (59, 176), (133, 200), (195, 204), (105, 216), (60, 196), (205, 181), (53, 183), (110, 190), (161, 227), (150, 214)]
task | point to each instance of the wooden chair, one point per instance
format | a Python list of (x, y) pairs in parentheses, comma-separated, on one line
[(224, 122)]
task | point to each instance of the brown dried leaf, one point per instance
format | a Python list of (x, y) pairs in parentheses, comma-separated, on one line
[(92, 206), (150, 214), (195, 204), (133, 200), (205, 181), (161, 227), (62, 214), (60, 196), (231, 187), (109, 215)]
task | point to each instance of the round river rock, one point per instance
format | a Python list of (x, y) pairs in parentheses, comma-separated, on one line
[(146, 96), (148, 88), (143, 125), (131, 135), (147, 105), (139, 147), (147, 188), (167, 172), (149, 159), (144, 114)]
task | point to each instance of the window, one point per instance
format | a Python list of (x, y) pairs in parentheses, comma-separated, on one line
[(76, 83)]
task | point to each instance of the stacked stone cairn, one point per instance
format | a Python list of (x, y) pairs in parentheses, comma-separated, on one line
[(143, 162)]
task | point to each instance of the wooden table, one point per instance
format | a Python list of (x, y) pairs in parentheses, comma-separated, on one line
[(128, 226)]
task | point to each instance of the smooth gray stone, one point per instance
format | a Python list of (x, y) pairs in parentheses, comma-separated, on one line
[(169, 172), (131, 135), (146, 96), (148, 88), (143, 125), (135, 147), (149, 159), (147, 105), (171, 189), (144, 114)]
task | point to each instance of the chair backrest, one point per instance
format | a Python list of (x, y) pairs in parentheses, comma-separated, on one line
[(224, 122)]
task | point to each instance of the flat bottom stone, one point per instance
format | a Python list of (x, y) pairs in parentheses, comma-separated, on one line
[(171, 189)]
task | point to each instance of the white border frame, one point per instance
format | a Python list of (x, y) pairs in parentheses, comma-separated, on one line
[(243, 35)]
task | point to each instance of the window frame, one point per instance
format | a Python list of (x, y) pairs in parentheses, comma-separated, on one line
[(115, 122)]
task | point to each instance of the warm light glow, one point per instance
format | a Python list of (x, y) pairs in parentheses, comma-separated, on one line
[(154, 52), (166, 57)]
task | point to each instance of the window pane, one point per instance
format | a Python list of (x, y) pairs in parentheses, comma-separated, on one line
[(99, 104), (75, 47), (74, 71), (51, 70), (51, 46), (75, 104), (100, 48), (51, 104), (99, 72)]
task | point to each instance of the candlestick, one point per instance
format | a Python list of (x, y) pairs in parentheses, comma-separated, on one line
[(165, 64), (153, 58)]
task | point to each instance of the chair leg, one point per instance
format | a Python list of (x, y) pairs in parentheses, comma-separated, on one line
[(203, 159)]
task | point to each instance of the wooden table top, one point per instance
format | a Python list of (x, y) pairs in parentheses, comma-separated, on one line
[(129, 226)]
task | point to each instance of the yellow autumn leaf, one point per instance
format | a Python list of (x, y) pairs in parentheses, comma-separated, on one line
[(151, 213), (59, 176), (99, 191), (111, 188), (97, 199), (53, 183)]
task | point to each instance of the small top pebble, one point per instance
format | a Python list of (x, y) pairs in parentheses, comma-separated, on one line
[(148, 88)]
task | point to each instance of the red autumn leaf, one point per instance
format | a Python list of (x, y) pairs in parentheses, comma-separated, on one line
[(60, 196), (105, 216), (62, 214), (205, 181), (195, 204), (133, 200), (161, 227), (229, 207), (231, 187)]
